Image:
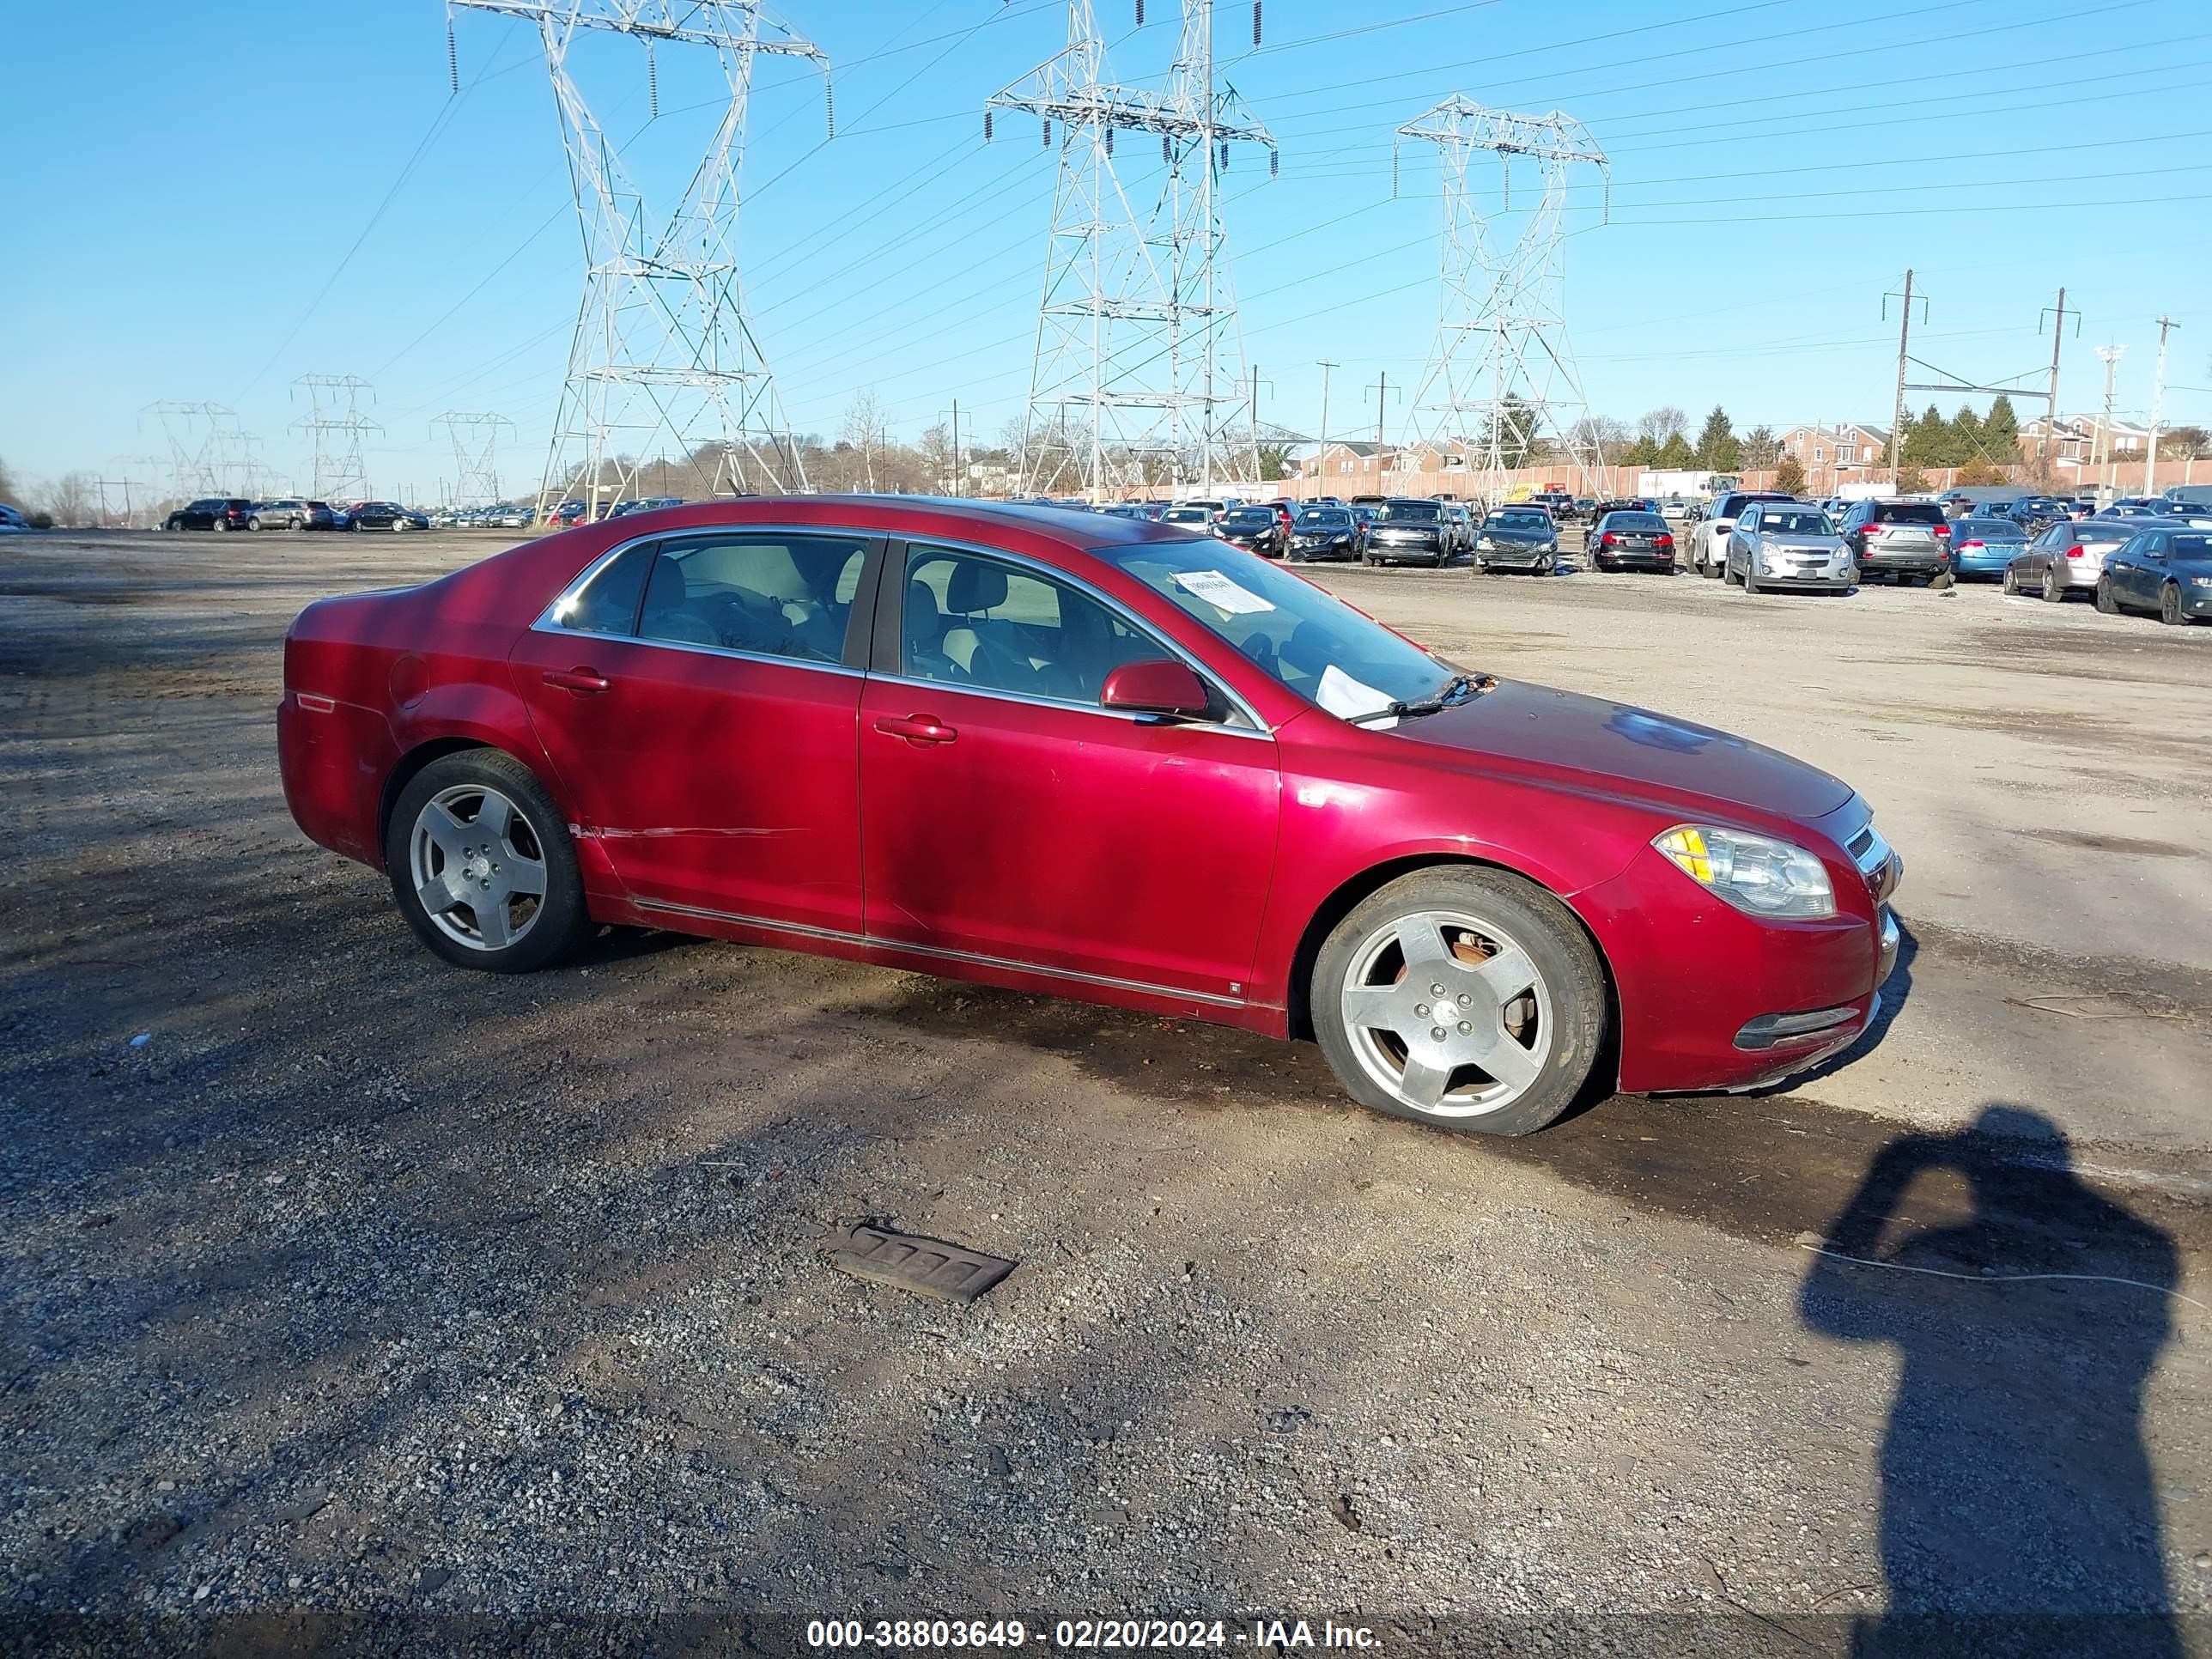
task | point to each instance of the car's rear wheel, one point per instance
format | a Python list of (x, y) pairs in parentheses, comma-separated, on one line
[(2053, 589), (482, 865), (1942, 579), (2105, 601), (1468, 998)]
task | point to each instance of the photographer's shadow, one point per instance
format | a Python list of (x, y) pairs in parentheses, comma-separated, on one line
[(2019, 1509)]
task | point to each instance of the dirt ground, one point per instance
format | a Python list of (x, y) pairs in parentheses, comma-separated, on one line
[(362, 1294)]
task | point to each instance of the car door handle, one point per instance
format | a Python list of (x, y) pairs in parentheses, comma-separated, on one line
[(916, 728), (584, 681)]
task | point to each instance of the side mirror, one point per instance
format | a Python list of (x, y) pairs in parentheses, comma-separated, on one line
[(1158, 685)]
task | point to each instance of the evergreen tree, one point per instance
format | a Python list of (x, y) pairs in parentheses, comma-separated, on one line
[(2000, 432), (1789, 476), (1641, 453), (1967, 441), (1718, 446), (1760, 448), (1676, 453)]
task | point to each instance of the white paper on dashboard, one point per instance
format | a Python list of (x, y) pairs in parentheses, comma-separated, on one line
[(1217, 589), (1343, 696)]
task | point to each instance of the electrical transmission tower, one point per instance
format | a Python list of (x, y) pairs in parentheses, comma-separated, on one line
[(663, 352), (209, 454), (476, 454), (1138, 371), (336, 424), (1500, 378)]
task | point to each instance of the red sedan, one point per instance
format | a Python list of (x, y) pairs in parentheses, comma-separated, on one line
[(1094, 757)]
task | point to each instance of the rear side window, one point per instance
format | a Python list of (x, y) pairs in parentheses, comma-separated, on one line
[(773, 595), (1909, 512), (608, 602)]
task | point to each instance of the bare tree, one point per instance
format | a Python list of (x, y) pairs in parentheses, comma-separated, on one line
[(8, 488), (1662, 423), (864, 429), (72, 499)]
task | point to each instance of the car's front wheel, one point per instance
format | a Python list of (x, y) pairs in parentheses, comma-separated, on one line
[(2105, 601), (1466, 998), (2169, 607), (482, 865), (253, 523), (219, 523)]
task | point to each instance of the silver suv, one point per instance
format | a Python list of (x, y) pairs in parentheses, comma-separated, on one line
[(1709, 539), (1909, 542), (1777, 544)]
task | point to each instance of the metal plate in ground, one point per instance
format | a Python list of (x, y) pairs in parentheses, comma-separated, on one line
[(927, 1267)]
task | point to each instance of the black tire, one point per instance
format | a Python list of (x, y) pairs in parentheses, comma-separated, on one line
[(1543, 926), (254, 523), (2169, 607), (1750, 581), (2010, 585), (219, 522), (2106, 602), (563, 922), (2054, 590), (1942, 579)]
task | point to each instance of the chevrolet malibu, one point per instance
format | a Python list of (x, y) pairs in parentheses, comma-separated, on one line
[(1089, 756)]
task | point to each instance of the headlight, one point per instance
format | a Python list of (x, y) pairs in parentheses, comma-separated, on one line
[(1758, 875), (2200, 581)]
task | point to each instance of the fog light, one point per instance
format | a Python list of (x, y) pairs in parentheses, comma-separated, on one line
[(1770, 1030)]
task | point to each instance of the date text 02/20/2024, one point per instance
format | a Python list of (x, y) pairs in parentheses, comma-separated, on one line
[(1124, 1635)]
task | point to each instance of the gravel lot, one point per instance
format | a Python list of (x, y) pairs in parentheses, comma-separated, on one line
[(363, 1292)]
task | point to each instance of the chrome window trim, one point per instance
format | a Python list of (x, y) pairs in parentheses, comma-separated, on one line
[(879, 941), (1259, 727), (583, 579), (545, 624)]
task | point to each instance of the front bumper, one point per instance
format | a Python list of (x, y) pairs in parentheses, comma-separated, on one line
[(1404, 547), (1517, 556), (1693, 973)]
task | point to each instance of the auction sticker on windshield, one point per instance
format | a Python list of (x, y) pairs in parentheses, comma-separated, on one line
[(1218, 590)]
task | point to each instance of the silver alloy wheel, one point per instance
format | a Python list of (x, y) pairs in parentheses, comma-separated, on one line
[(1447, 1013), (478, 867)]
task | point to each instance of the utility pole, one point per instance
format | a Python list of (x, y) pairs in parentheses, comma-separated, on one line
[(959, 472), (1382, 391), (1321, 461), (1904, 343), (2157, 408), (2111, 355), (2050, 401)]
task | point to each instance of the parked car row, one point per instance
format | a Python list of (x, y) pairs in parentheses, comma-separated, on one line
[(225, 513)]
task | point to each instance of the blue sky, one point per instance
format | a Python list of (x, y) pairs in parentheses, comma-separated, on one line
[(205, 202)]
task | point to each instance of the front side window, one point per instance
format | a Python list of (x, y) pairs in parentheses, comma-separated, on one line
[(1298, 635), (773, 595), (970, 620)]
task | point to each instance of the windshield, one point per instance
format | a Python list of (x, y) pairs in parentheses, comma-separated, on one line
[(1402, 511), (1794, 524), (1323, 650), (1537, 521), (1331, 519)]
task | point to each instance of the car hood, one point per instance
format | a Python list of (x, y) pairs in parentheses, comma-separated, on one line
[(1625, 751)]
